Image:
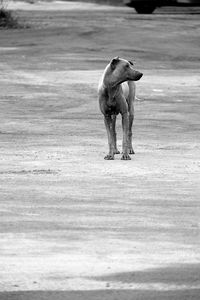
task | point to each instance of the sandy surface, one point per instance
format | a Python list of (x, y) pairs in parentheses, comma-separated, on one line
[(73, 226)]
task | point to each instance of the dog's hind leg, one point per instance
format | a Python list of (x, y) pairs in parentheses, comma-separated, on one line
[(131, 118), (130, 101), (111, 138), (116, 151)]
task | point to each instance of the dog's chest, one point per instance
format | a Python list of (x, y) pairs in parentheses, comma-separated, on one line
[(112, 107), (111, 101)]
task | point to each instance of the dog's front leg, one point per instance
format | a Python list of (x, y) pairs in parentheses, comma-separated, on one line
[(125, 125), (111, 139), (116, 151)]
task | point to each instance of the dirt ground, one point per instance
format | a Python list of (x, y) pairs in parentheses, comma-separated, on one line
[(72, 225)]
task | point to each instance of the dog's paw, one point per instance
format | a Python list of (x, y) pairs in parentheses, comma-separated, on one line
[(131, 151), (125, 157), (109, 157)]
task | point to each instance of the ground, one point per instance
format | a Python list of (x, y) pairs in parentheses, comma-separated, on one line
[(74, 226)]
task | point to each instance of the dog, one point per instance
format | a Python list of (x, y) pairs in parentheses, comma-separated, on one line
[(116, 93)]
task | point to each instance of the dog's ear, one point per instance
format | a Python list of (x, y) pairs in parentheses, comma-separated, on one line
[(131, 63), (114, 62)]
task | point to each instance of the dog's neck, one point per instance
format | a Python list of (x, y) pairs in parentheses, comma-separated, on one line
[(108, 80), (112, 86), (112, 92)]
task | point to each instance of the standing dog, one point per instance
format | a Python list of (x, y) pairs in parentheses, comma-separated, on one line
[(116, 94)]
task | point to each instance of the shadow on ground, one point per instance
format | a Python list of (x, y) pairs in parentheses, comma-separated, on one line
[(100, 295), (178, 275)]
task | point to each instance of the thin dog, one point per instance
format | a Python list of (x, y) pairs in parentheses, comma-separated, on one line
[(116, 93)]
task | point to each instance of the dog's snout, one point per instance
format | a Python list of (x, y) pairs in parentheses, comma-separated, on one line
[(138, 75)]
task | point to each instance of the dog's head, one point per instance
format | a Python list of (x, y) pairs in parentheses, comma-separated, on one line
[(122, 70)]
